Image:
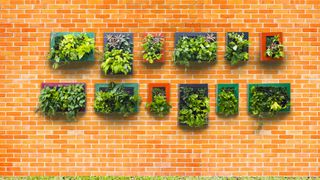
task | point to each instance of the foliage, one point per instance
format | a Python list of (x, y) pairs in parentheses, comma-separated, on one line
[(69, 48), (227, 102), (159, 105), (274, 48), (199, 49), (268, 101), (152, 48), (116, 100), (119, 41), (68, 100), (194, 107), (236, 50)]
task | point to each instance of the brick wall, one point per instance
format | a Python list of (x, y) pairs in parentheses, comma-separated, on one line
[(141, 144)]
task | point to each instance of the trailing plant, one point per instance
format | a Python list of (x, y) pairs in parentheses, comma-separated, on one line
[(194, 107), (68, 100), (116, 99), (152, 47), (236, 50), (118, 55), (159, 105), (268, 101), (199, 49), (227, 102), (274, 48), (70, 48)]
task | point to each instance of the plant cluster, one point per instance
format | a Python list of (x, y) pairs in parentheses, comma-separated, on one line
[(69, 100), (118, 55), (199, 49), (268, 101), (194, 107), (159, 105), (70, 47), (274, 48), (237, 48), (227, 102), (116, 99), (152, 47)]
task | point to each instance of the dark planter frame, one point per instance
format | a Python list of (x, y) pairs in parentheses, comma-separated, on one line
[(219, 88), (263, 45), (246, 37)]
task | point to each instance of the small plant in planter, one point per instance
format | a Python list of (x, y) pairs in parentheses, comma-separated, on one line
[(267, 100), (67, 99), (237, 48), (271, 46), (197, 47), (152, 48), (116, 98), (118, 54), (227, 99), (71, 47), (158, 103), (194, 106)]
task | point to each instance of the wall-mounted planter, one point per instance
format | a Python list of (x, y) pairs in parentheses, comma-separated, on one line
[(266, 41), (153, 47), (87, 54), (267, 100), (227, 99), (158, 102), (120, 45), (238, 51), (198, 92), (164, 86)]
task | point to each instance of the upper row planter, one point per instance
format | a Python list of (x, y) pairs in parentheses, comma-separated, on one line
[(271, 46), (237, 47), (153, 48)]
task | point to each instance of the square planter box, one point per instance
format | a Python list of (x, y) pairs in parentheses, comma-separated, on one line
[(131, 88), (195, 87), (285, 85), (165, 86), (162, 50), (246, 37), (178, 35), (85, 58), (51, 85), (263, 45), (130, 35), (233, 87)]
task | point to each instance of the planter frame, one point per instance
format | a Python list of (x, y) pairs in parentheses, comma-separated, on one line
[(219, 88), (162, 60), (263, 45), (166, 87)]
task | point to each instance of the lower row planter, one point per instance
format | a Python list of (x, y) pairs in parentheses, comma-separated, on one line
[(159, 99), (227, 99)]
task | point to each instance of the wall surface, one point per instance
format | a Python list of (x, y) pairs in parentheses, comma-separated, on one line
[(142, 145)]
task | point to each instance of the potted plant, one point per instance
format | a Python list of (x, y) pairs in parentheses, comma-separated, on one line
[(62, 98), (153, 48), (195, 47), (118, 53), (268, 100), (271, 46), (158, 99), (68, 47), (227, 99), (194, 105), (115, 98), (237, 47)]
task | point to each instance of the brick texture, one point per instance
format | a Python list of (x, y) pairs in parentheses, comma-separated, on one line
[(141, 144)]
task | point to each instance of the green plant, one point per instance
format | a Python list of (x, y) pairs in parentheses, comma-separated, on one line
[(152, 47), (194, 107), (159, 105), (69, 48), (274, 48), (116, 100), (69, 100), (118, 55), (199, 49), (227, 102), (236, 50), (268, 101)]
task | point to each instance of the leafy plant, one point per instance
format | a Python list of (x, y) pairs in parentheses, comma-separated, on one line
[(69, 48), (268, 101), (274, 48), (116, 99), (227, 102), (118, 55), (68, 100), (236, 50), (199, 49), (152, 48), (159, 105), (194, 107)]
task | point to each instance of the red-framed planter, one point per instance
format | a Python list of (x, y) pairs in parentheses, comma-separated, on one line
[(162, 60), (166, 87), (263, 45)]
